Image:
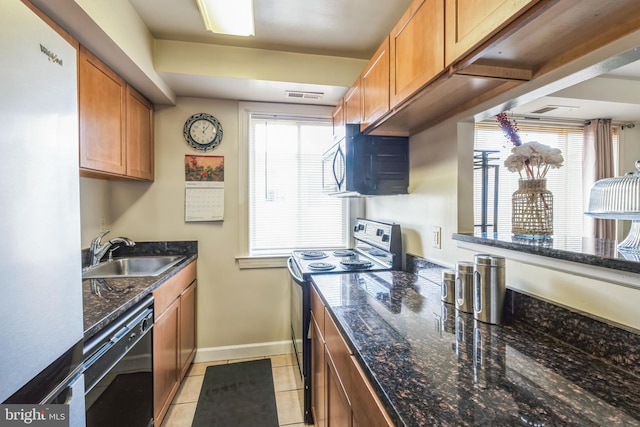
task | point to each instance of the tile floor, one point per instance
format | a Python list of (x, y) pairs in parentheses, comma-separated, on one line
[(286, 381)]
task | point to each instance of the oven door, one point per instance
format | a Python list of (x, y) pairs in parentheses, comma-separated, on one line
[(119, 374)]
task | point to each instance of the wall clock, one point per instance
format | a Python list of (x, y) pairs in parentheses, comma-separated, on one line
[(202, 132)]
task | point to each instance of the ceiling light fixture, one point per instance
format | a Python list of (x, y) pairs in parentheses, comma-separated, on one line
[(234, 17)]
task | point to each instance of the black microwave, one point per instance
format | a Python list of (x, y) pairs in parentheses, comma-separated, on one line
[(366, 165)]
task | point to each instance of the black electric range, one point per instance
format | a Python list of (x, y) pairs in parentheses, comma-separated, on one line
[(378, 247)]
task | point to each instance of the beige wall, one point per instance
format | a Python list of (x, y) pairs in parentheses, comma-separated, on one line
[(440, 195), (246, 312), (240, 312)]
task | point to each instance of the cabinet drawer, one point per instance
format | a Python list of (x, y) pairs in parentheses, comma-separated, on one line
[(367, 408), (317, 308), (172, 288), (338, 350)]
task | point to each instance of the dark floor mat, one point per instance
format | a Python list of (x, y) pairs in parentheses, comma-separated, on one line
[(237, 395)]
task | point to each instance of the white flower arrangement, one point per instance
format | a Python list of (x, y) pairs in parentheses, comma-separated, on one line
[(536, 159)]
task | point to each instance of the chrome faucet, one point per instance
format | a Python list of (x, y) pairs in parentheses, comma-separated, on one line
[(98, 249)]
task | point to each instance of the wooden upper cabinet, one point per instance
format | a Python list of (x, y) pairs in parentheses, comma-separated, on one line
[(374, 84), (139, 125), (416, 46), (353, 104), (102, 116), (116, 123), (471, 22)]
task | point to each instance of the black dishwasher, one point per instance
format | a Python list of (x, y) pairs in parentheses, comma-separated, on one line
[(119, 371)]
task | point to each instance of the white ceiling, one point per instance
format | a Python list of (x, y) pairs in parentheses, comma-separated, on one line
[(340, 28), (354, 29)]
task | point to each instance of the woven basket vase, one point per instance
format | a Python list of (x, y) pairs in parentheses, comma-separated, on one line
[(532, 210)]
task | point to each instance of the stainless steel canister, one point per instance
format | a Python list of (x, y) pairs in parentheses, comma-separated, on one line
[(464, 286), (448, 286), (489, 288)]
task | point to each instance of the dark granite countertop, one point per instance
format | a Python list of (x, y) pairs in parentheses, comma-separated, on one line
[(99, 311), (431, 365), (585, 250)]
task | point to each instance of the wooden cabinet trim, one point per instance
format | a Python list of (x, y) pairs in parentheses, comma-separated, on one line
[(374, 85), (188, 331), (116, 123), (338, 406), (174, 336), (165, 359), (139, 136), (101, 107), (469, 24), (317, 309), (338, 350), (365, 404), (353, 104), (416, 49), (172, 288)]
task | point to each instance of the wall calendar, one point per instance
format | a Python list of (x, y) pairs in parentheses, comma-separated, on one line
[(204, 188)]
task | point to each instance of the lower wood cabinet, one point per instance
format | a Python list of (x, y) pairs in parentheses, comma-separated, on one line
[(173, 336), (338, 406), (367, 409), (342, 396)]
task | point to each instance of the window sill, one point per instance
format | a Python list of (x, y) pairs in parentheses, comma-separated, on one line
[(247, 262)]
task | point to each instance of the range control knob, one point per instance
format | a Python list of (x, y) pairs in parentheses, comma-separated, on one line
[(385, 238), (379, 232)]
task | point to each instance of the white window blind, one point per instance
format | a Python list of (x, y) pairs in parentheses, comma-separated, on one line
[(287, 208), (565, 182)]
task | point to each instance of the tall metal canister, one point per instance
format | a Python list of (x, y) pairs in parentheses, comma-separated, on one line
[(489, 288), (464, 286)]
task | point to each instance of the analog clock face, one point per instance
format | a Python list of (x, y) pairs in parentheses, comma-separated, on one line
[(202, 132)]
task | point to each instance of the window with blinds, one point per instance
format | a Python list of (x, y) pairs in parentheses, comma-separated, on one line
[(565, 182), (287, 208)]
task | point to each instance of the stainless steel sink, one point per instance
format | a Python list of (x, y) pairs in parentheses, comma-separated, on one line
[(139, 266)]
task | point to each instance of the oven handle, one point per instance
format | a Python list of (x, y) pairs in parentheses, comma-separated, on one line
[(294, 271)]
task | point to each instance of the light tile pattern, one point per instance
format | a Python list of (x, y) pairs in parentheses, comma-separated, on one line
[(286, 382)]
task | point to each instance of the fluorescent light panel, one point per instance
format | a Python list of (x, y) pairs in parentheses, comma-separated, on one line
[(234, 17)]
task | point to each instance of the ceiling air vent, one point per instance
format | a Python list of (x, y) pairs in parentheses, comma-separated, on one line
[(303, 95), (557, 109), (544, 110)]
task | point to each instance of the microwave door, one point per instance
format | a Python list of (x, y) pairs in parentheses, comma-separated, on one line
[(339, 171)]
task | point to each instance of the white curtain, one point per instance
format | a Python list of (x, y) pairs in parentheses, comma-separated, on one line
[(597, 163)]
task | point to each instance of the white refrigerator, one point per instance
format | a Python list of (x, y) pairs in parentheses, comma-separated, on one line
[(41, 324)]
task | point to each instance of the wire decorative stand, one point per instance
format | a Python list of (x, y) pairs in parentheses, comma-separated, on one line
[(481, 162)]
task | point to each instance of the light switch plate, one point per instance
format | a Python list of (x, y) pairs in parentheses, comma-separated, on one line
[(437, 235)]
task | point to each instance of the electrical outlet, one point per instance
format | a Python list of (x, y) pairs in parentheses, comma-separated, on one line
[(437, 235)]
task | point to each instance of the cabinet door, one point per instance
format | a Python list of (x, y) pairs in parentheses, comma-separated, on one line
[(101, 103), (338, 406), (416, 47), (165, 359), (318, 373), (374, 84), (471, 22), (337, 119), (139, 136), (353, 104), (187, 328), (365, 405)]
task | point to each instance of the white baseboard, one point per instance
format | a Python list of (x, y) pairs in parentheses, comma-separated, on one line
[(214, 354)]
